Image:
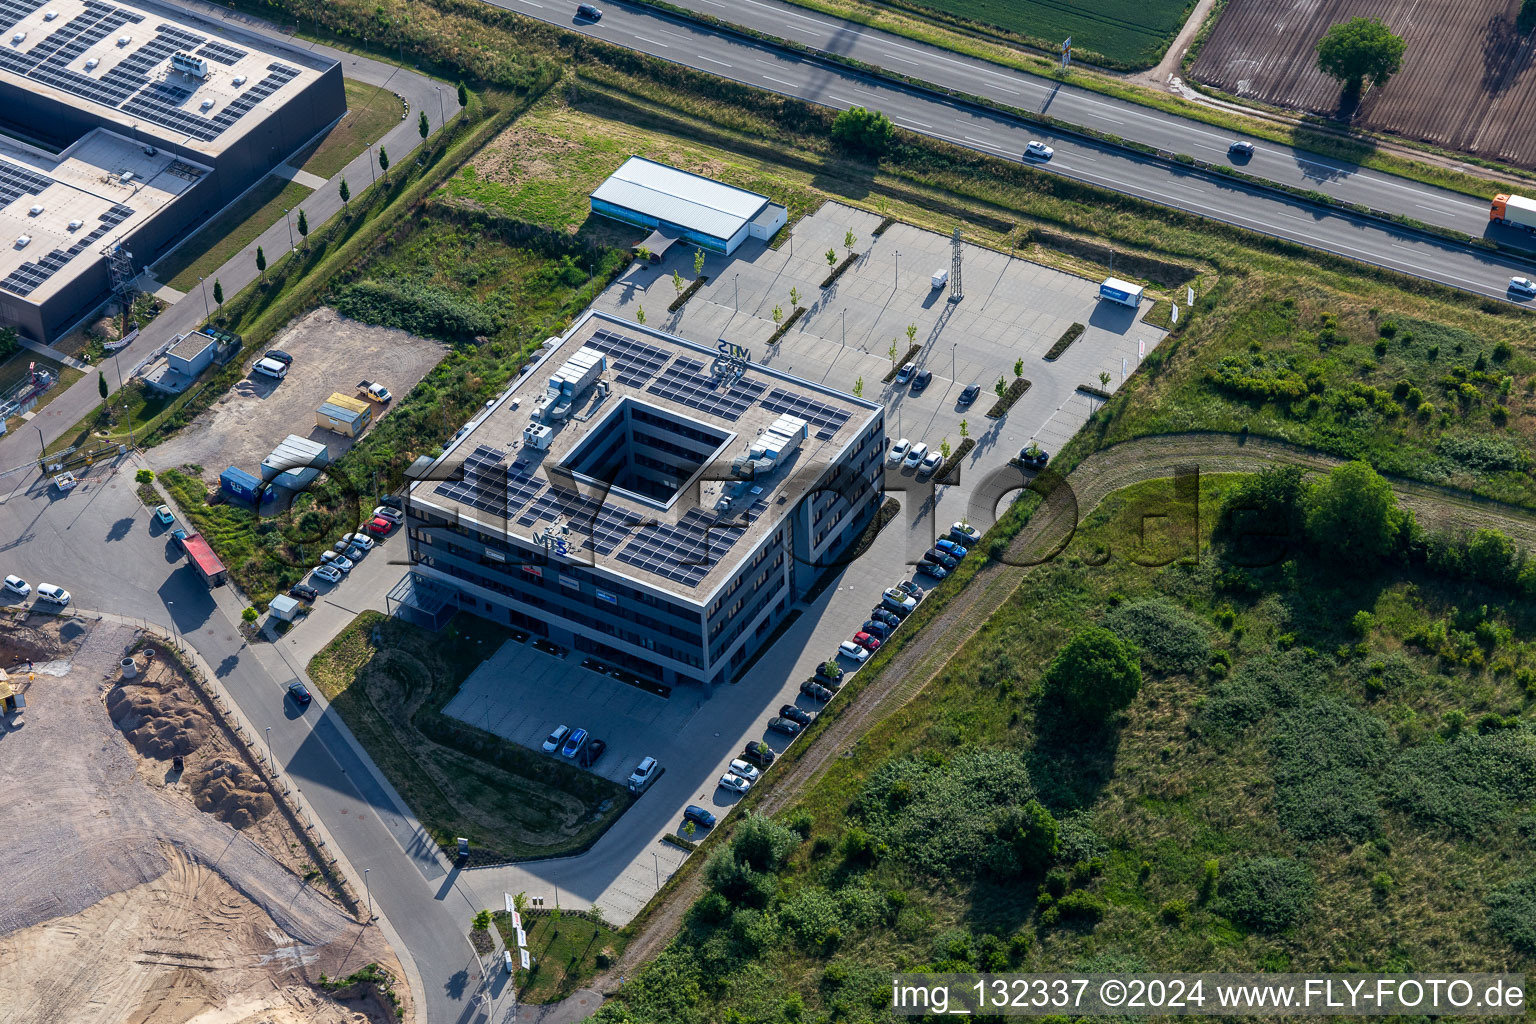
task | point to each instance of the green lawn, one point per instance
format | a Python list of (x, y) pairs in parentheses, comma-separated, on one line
[(371, 111), (230, 232), (1131, 32), (565, 952), (390, 681)]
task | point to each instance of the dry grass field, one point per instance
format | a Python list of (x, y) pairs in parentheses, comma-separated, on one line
[(1467, 81)]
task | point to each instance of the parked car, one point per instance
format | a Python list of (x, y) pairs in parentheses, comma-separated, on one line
[(760, 754), (1240, 147), (18, 586), (328, 573), (911, 589), (969, 394), (277, 355), (943, 558), (868, 641), (898, 451), (163, 515), (905, 373), (1034, 457), (300, 693), (794, 714), (336, 561), (304, 592), (933, 569), (270, 368), (588, 12), (393, 515), (358, 540), (379, 526), (746, 771), (644, 774), (180, 537), (699, 816), (374, 391), (882, 615), (965, 533), (573, 743), (815, 691), (915, 456), (734, 783), (852, 651), (1037, 150), (876, 629), (52, 594), (785, 726), (899, 602), (554, 739), (592, 751), (829, 673), (1523, 285), (931, 463), (393, 501), (950, 548), (921, 381)]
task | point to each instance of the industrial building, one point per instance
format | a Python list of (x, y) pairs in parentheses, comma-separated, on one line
[(642, 500), (676, 204), (125, 126), (295, 462)]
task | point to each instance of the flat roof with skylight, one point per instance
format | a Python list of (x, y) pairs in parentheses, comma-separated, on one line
[(694, 207)]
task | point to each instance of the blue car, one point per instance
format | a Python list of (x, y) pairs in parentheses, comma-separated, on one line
[(573, 744), (699, 816), (953, 549), (878, 630)]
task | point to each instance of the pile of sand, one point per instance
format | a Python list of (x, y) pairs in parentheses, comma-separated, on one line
[(159, 717), (39, 639), (231, 792)]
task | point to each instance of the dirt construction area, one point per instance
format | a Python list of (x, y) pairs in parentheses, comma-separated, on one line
[(330, 353), (136, 893), (1467, 81)]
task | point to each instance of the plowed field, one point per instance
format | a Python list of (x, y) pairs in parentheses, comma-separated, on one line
[(1467, 81)]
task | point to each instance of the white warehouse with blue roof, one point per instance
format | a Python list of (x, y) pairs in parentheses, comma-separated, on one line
[(679, 205)]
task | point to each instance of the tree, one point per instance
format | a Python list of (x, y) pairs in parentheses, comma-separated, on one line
[(384, 162), (944, 447), (863, 131), (1527, 18), (794, 298), (422, 127), (698, 261), (1104, 379), (1093, 676), (892, 352), (858, 388), (345, 191), (1360, 49), (482, 921), (218, 293), (965, 429), (849, 238), (640, 315), (778, 314), (101, 384), (677, 282), (261, 263), (1018, 367), (1352, 516), (831, 257), (304, 228), (1001, 387), (1028, 840)]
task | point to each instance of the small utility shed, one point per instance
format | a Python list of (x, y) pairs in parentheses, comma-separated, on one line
[(343, 415), (241, 486), (295, 462), (696, 209), (284, 607)]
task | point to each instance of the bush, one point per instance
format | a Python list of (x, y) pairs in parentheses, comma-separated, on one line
[(1175, 912), (144, 476), (1169, 637), (423, 309), (1470, 785), (1094, 676), (1260, 687), (1027, 841), (1512, 911), (1327, 755), (1264, 504), (1484, 454), (1352, 516), (863, 131), (1269, 894)]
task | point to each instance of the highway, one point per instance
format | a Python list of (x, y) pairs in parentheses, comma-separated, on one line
[(767, 67)]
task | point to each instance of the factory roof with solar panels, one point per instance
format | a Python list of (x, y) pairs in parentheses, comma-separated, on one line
[(158, 67), (651, 457)]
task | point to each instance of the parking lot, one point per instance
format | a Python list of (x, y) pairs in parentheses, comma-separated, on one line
[(330, 353)]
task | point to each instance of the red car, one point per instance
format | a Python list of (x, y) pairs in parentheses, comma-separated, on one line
[(868, 641), (379, 526)]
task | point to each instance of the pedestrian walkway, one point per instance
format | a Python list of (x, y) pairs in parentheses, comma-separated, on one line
[(289, 172), (44, 350)]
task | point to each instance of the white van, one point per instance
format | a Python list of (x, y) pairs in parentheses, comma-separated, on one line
[(270, 368), (941, 278)]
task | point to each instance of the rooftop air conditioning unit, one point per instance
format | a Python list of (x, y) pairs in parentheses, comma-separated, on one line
[(37, 208), (50, 15), (206, 105), (23, 241), (76, 225), (124, 40), (126, 177)]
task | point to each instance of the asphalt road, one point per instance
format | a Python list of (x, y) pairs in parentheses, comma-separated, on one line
[(1208, 195)]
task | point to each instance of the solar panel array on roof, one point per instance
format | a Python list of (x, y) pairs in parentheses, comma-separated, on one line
[(161, 102), (222, 53), (607, 525), (27, 277), (17, 181), (824, 417), (633, 362), (489, 487), (684, 552), (686, 382)]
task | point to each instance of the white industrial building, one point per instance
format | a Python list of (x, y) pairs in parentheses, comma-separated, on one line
[(678, 205)]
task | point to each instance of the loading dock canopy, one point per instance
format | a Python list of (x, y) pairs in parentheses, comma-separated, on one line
[(658, 243)]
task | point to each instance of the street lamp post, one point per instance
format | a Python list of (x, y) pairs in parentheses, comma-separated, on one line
[(844, 342), (290, 228), (657, 860), (118, 363), (207, 310), (736, 281), (370, 895), (371, 172), (270, 759), (952, 348), (897, 286)]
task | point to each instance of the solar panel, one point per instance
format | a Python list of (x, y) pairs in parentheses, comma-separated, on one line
[(222, 53), (181, 37), (633, 362), (607, 526), (26, 278), (825, 418), (684, 552), (490, 487), (686, 383)]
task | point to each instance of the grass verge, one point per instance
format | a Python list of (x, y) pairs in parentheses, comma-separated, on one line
[(372, 110), (230, 231), (567, 950)]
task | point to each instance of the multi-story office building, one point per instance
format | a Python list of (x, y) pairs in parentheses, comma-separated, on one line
[(647, 502)]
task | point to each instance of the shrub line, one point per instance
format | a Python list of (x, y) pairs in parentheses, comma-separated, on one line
[(783, 328), (1005, 402), (911, 354), (837, 272), (1068, 336), (687, 293)]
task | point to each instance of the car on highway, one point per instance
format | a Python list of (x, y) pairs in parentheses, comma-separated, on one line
[(555, 738), (852, 651), (329, 574), (815, 691), (734, 783), (300, 693), (868, 641), (943, 558), (898, 451), (304, 592), (911, 589), (905, 373), (969, 394), (965, 533), (785, 726), (644, 774), (277, 355), (875, 629), (921, 382), (573, 743), (794, 714), (336, 561), (1522, 285), (1037, 150), (588, 12), (950, 548), (915, 456), (393, 515), (378, 526), (933, 569), (1240, 148), (699, 816), (931, 463), (760, 754), (18, 586), (164, 516), (53, 594), (746, 771), (1033, 456)]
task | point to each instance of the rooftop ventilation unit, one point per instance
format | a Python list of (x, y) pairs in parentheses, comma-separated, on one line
[(50, 15), (76, 225), (189, 64), (124, 40), (16, 39), (568, 383), (126, 177), (238, 81), (23, 241), (90, 65), (206, 105), (538, 436), (36, 210)]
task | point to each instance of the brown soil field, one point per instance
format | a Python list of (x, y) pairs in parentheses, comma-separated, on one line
[(1466, 84)]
